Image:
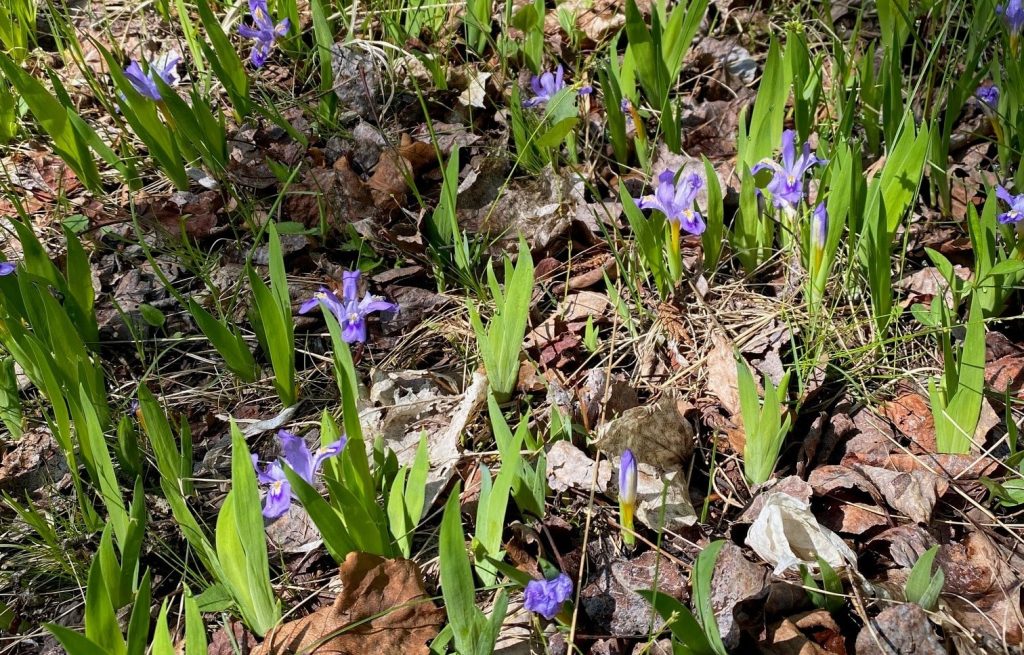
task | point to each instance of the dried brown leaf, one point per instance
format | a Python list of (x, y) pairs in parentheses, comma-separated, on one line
[(735, 579), (382, 602), (811, 633), (899, 630), (912, 415)]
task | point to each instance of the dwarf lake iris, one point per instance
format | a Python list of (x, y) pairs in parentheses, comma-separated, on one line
[(297, 455), (787, 184), (545, 597), (1013, 13), (145, 81), (676, 201), (546, 85), (263, 31), (627, 494), (350, 310)]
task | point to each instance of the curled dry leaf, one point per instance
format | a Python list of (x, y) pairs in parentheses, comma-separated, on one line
[(662, 440), (382, 602), (572, 312), (1006, 374), (540, 210), (923, 285), (294, 532), (912, 415), (597, 20), (724, 385), (411, 403), (33, 462), (961, 467), (604, 399), (902, 545)]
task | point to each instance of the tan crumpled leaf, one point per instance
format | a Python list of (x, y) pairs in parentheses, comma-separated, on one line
[(843, 488), (912, 415), (786, 534), (597, 20), (722, 379), (383, 608), (657, 434), (574, 309), (571, 468), (476, 90)]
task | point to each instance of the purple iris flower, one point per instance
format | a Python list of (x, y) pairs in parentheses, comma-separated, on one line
[(787, 185), (6, 268), (545, 597), (988, 94), (350, 311), (676, 200), (1016, 203), (304, 462), (263, 31), (355, 311), (1013, 13), (546, 85), (145, 83)]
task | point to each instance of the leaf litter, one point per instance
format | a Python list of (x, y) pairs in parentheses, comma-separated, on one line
[(874, 491)]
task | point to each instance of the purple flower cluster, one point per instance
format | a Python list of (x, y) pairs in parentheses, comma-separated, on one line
[(350, 311), (546, 85), (787, 184), (263, 31), (297, 455), (545, 597), (676, 200), (6, 268), (144, 81)]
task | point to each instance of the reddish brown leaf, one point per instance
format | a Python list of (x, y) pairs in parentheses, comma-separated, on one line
[(382, 602), (1006, 374), (912, 415)]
